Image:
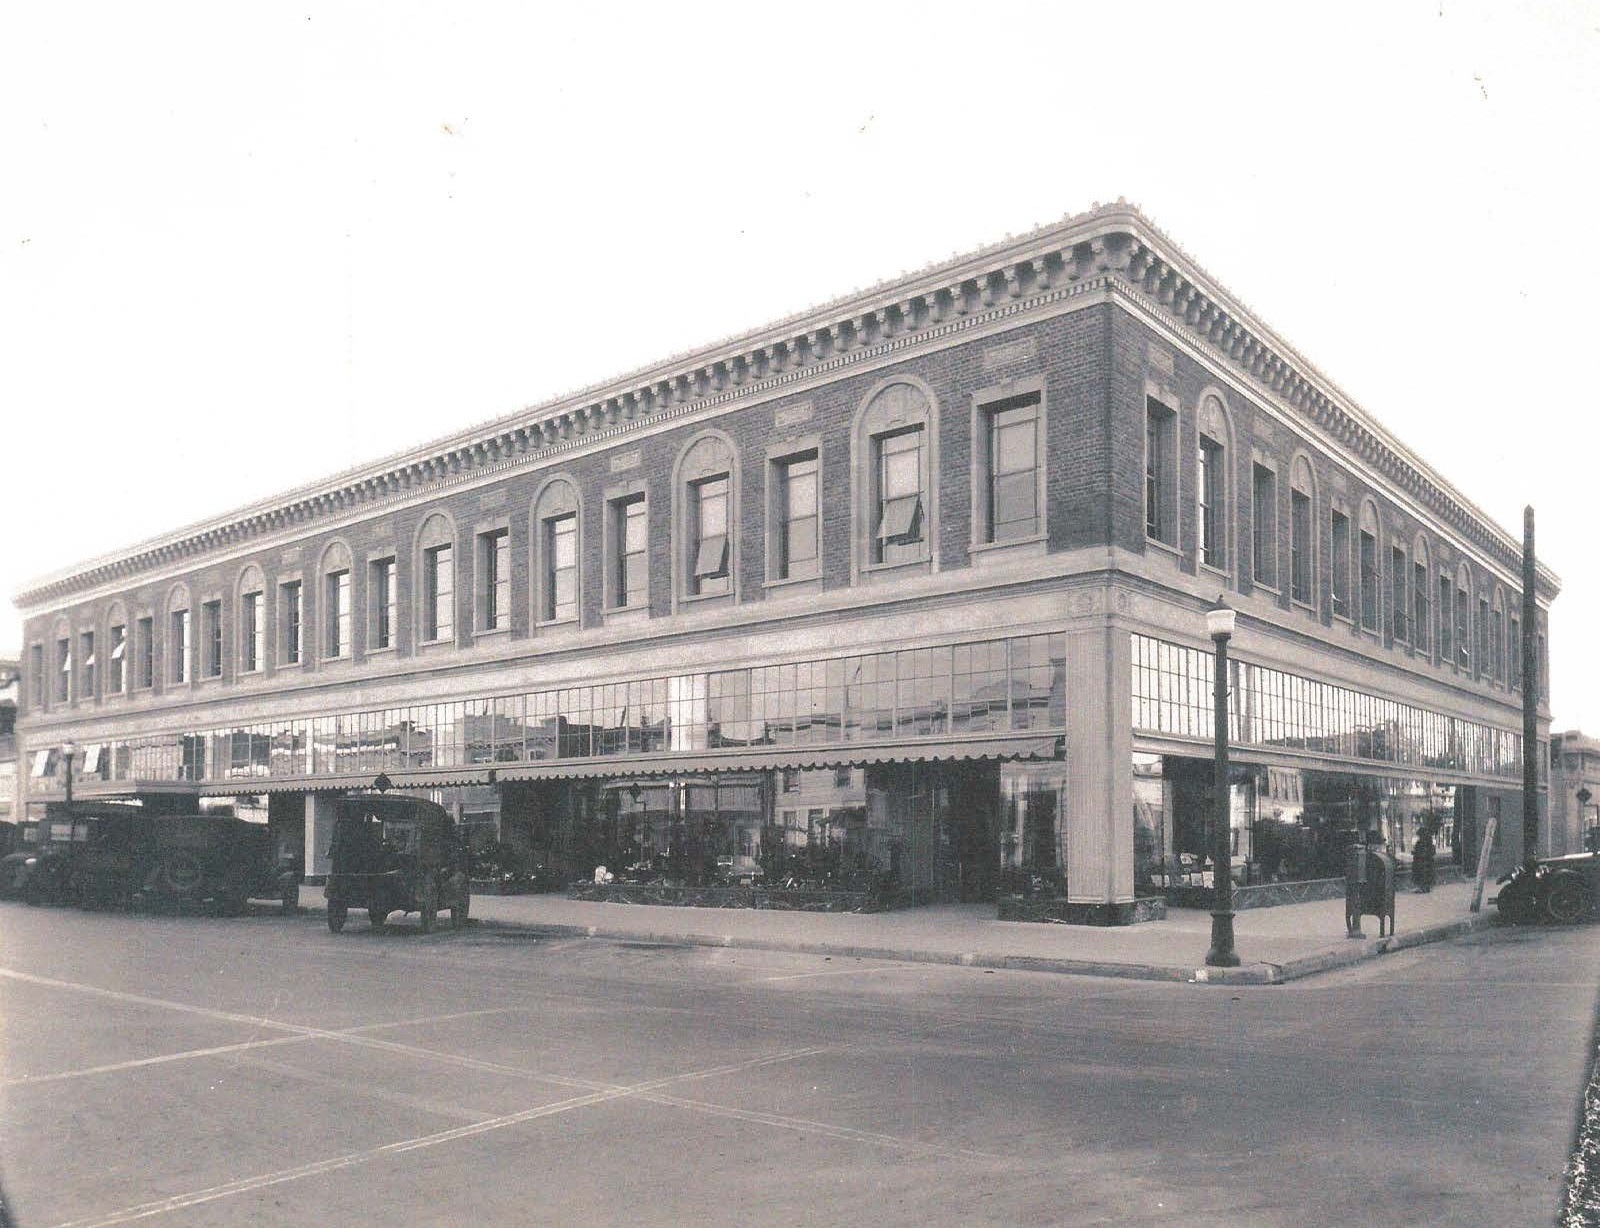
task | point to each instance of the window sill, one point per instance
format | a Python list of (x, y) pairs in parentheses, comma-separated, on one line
[(385, 650), (711, 599), (283, 665), (989, 553), (1211, 569), (1303, 605), (889, 571), (627, 613), (489, 633), (790, 585), (557, 624), (1162, 547), (344, 658), (435, 645)]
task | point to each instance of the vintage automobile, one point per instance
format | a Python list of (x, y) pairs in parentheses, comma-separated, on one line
[(43, 872), (396, 854), (104, 854), (1561, 889)]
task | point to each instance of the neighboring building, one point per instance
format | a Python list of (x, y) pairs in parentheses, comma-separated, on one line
[(1574, 766), (10, 795), (910, 586)]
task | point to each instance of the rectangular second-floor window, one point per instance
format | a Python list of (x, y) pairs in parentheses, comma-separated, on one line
[(250, 629), (560, 568), (709, 570), (63, 670), (1013, 478), (36, 676), (1420, 620), (381, 591), (144, 653), (1264, 526), (289, 616), (438, 593), (797, 511), (211, 639), (86, 665), (336, 614), (1497, 645), (1516, 652), (1339, 564), (1300, 552), (1160, 486), (494, 580), (1399, 573), (1485, 657), (630, 542), (179, 645), (1463, 629), (1369, 580), (1212, 513), (1447, 640), (117, 660)]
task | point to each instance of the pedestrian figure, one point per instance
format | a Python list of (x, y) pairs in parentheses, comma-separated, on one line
[(1422, 854)]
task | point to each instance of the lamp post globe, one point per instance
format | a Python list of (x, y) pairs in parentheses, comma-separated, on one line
[(1221, 620)]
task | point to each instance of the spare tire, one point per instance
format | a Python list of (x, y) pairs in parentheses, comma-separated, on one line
[(182, 875)]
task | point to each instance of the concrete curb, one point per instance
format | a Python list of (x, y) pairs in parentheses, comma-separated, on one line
[(1246, 974)]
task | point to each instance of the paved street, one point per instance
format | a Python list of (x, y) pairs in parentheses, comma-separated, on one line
[(202, 1071)]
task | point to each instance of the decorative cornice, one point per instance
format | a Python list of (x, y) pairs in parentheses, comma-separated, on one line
[(1111, 245)]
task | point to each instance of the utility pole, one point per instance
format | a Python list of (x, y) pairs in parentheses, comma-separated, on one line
[(1530, 700)]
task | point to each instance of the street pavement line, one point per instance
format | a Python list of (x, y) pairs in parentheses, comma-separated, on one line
[(241, 1047), (248, 1185)]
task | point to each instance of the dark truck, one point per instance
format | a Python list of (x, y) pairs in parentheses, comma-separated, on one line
[(103, 855), (393, 853)]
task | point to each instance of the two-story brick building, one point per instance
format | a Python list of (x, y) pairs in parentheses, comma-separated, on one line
[(906, 588)]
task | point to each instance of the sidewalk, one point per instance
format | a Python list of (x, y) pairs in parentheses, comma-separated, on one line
[(1274, 944)]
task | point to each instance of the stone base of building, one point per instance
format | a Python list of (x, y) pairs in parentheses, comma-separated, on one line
[(1061, 911), (792, 898)]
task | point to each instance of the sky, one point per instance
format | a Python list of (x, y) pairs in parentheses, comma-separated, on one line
[(243, 247)]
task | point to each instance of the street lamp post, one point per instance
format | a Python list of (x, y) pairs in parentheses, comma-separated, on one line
[(1220, 621), (69, 751)]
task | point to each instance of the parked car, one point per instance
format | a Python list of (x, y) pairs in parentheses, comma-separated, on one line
[(396, 854), (44, 871), (1561, 889), (104, 854), (14, 867)]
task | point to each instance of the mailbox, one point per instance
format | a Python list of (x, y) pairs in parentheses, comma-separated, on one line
[(1368, 888)]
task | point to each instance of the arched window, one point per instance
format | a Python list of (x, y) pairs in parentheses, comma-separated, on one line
[(1302, 532), (553, 536), (436, 572), (1421, 586), (337, 601), (62, 690), (705, 492), (1463, 617), (1367, 566), (250, 601), (1497, 636), (894, 473), (1212, 458), (116, 673), (180, 637)]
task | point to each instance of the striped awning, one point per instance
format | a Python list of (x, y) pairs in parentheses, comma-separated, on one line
[(747, 759)]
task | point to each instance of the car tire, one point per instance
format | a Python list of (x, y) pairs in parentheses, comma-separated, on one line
[(430, 908), (1567, 900), (379, 917), (336, 917)]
